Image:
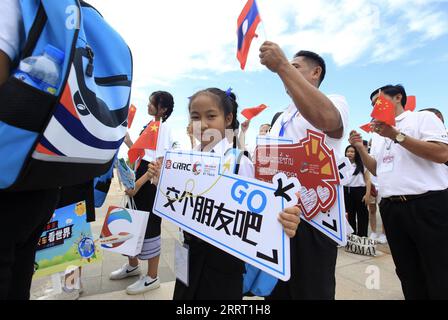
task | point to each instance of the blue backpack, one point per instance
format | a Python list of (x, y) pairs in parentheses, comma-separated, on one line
[(258, 282), (255, 281), (49, 141)]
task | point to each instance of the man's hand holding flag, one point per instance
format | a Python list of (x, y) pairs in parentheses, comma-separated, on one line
[(384, 110), (383, 114)]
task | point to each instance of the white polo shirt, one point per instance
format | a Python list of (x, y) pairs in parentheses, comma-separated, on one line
[(357, 180), (401, 172), (296, 126), (11, 28)]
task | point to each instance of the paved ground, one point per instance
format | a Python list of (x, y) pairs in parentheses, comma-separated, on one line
[(352, 270)]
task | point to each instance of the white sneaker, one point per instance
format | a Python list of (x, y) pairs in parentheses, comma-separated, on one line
[(382, 239), (74, 295), (143, 285), (373, 236), (124, 272)]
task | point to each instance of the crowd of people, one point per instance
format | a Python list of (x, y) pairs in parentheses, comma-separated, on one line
[(402, 169)]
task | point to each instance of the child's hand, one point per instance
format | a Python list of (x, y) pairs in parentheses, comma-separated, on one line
[(290, 220), (245, 126), (131, 192), (154, 172)]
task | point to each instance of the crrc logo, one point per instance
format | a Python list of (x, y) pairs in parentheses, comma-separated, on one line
[(178, 165), (197, 168)]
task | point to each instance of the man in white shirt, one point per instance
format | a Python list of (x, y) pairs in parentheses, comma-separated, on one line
[(313, 255), (408, 160)]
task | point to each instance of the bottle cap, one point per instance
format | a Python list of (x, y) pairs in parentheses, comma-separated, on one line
[(55, 53)]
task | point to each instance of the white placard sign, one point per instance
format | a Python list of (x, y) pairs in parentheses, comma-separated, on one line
[(200, 193)]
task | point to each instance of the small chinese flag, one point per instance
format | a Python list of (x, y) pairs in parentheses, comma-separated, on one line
[(251, 113), (367, 128), (384, 110), (131, 115), (411, 105), (146, 141)]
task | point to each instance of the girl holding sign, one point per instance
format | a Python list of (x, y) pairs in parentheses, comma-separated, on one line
[(157, 142), (214, 274)]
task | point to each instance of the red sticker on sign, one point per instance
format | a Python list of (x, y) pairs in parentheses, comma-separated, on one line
[(310, 161)]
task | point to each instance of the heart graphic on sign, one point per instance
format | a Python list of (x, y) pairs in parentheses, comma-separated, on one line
[(324, 193), (308, 198), (314, 165)]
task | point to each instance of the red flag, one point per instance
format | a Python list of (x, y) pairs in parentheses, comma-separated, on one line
[(367, 128), (384, 110), (251, 113), (411, 105), (146, 141), (131, 115), (247, 25)]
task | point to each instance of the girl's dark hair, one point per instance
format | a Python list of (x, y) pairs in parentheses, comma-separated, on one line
[(358, 161), (227, 102), (163, 99), (274, 119)]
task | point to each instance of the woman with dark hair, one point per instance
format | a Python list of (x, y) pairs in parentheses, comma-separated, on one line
[(357, 194), (160, 107)]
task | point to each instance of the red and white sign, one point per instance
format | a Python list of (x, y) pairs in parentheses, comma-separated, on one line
[(312, 162)]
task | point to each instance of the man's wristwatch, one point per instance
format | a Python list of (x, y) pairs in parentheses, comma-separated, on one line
[(400, 138)]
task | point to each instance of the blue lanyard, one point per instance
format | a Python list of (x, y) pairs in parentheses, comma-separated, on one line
[(285, 124)]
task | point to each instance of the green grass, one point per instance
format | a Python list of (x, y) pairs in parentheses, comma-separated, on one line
[(60, 263)]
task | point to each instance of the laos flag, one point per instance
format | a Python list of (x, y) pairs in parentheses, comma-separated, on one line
[(247, 25)]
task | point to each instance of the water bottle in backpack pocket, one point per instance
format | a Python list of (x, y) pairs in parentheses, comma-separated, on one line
[(42, 72)]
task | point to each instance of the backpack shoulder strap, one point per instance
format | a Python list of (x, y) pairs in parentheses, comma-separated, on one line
[(85, 4), (35, 30)]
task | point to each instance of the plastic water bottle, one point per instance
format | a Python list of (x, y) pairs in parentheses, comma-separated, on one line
[(42, 72)]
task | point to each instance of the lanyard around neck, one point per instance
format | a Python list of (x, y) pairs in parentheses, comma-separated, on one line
[(285, 124)]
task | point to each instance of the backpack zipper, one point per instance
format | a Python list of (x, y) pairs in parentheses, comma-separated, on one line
[(90, 56), (118, 80)]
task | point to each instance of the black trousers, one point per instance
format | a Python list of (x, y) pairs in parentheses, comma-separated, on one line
[(313, 266), (358, 214), (213, 274), (417, 232), (24, 216)]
